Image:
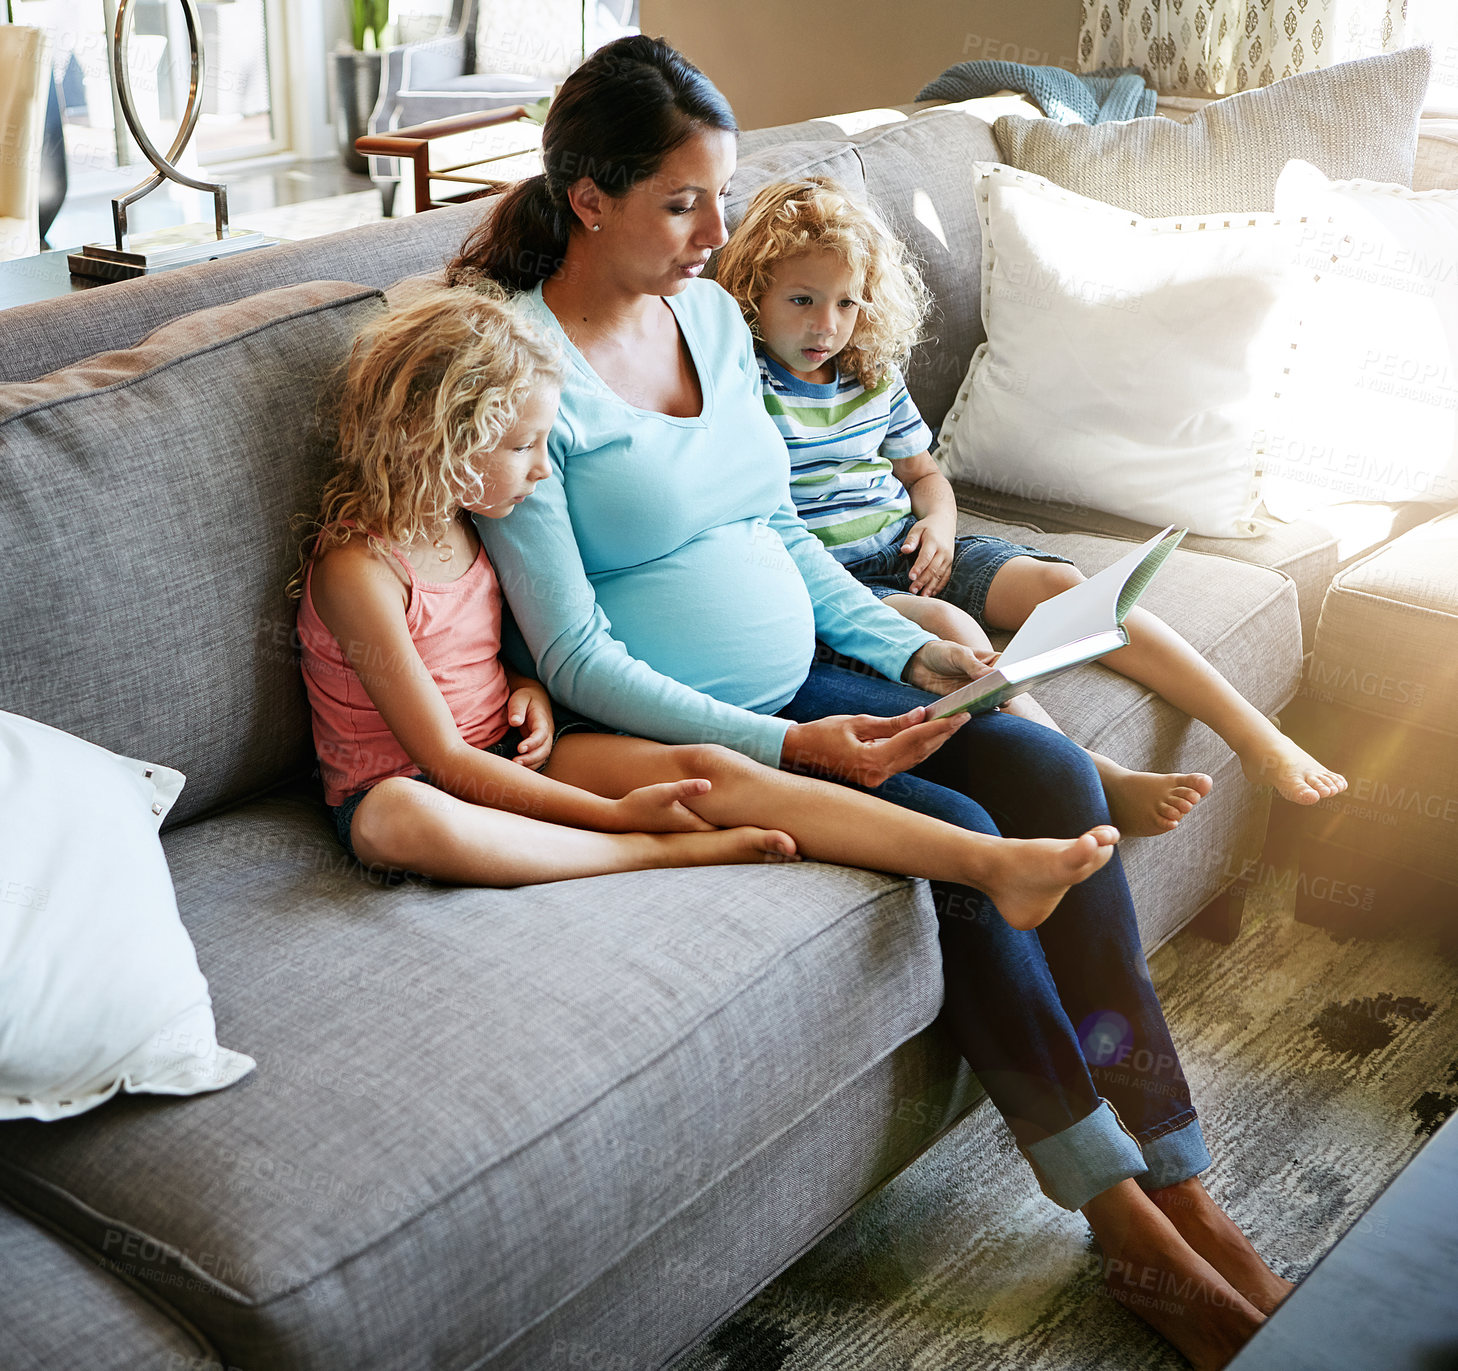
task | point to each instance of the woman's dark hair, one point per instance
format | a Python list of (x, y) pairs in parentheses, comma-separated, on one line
[(615, 119)]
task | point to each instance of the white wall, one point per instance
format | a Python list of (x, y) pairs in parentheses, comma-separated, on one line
[(782, 60)]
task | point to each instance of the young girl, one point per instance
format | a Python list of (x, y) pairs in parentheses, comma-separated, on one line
[(436, 758), (835, 304)]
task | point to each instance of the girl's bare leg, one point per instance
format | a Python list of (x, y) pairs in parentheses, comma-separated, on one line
[(1159, 658), (1212, 1233), (1142, 803), (1155, 1273), (1025, 878), (406, 826)]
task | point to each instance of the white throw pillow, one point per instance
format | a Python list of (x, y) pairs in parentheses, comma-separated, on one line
[(1126, 358), (1366, 407), (99, 985)]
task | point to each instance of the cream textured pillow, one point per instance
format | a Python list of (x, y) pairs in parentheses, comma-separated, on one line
[(1366, 407), (99, 986), (1126, 359), (1353, 119)]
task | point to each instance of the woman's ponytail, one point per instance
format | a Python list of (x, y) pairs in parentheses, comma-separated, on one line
[(521, 242)]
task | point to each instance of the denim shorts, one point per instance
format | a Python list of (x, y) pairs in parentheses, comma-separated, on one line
[(977, 559), (564, 721)]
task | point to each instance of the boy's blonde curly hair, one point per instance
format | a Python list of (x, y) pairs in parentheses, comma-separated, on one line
[(787, 218), (429, 388)]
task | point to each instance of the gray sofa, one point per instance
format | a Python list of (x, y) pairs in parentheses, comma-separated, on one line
[(562, 1126)]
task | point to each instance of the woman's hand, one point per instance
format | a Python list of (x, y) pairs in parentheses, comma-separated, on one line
[(932, 541), (942, 667), (529, 710), (863, 748), (661, 808)]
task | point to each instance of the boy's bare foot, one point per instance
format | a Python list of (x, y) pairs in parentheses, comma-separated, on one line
[(1145, 804), (721, 847), (1295, 773), (1026, 877), (1213, 1234), (1153, 1272)]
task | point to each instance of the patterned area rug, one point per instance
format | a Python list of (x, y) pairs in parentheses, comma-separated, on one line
[(1318, 1064)]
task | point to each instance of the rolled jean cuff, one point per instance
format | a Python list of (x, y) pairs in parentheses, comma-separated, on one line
[(1086, 1158), (1175, 1156)]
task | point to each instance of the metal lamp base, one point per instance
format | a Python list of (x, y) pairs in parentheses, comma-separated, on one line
[(178, 246)]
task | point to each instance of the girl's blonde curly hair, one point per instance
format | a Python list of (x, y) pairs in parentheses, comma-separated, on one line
[(428, 390), (787, 218)]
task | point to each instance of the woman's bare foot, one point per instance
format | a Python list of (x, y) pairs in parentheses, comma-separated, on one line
[(1151, 1270), (1026, 877), (1213, 1234), (720, 847), (1145, 804), (1297, 775)]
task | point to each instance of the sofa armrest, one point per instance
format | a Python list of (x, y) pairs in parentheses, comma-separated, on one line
[(412, 144)]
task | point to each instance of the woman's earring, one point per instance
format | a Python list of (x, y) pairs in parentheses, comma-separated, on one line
[(597, 228)]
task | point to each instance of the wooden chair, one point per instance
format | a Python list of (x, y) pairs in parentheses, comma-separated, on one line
[(516, 156), (433, 81)]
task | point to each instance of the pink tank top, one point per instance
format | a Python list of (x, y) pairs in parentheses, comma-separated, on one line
[(456, 629)]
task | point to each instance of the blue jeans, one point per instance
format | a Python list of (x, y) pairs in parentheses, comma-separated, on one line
[(976, 559), (1061, 1024)]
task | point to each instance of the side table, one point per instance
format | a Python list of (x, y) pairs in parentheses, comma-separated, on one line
[(26, 280), (1385, 1298), (47, 275)]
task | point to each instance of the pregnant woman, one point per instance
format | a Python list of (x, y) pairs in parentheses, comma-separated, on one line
[(667, 589)]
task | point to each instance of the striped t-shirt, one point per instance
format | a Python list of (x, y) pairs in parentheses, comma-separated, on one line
[(842, 439)]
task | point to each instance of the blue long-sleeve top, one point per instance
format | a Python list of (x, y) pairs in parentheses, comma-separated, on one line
[(661, 578)]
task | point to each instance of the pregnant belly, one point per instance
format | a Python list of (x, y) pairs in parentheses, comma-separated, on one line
[(727, 614)]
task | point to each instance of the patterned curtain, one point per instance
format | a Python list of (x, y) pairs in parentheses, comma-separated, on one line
[(1216, 47)]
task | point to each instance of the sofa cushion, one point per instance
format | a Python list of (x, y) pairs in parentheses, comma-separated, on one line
[(1308, 551), (145, 501), (1242, 620), (752, 142), (63, 1310), (790, 161), (1387, 644), (1381, 702), (46, 336), (1092, 371), (695, 1269), (919, 175), (1353, 119), (468, 1103)]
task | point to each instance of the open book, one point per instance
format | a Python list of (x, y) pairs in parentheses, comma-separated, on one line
[(1077, 626)]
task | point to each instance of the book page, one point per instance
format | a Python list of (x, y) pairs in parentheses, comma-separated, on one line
[(989, 691), (1098, 605)]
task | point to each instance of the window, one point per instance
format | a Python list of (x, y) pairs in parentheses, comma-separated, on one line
[(241, 116)]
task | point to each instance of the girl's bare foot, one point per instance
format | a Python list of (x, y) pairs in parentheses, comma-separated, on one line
[(1151, 1270), (1296, 774), (721, 847), (1213, 1234), (1145, 804), (1026, 877)]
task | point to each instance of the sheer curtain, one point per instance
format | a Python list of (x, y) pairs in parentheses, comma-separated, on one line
[(1216, 47)]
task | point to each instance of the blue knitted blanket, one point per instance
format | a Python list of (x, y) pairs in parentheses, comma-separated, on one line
[(1095, 97)]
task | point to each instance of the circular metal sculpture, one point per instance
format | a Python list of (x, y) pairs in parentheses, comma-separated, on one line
[(166, 170)]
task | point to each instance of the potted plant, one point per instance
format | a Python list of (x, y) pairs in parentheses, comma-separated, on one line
[(357, 77)]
